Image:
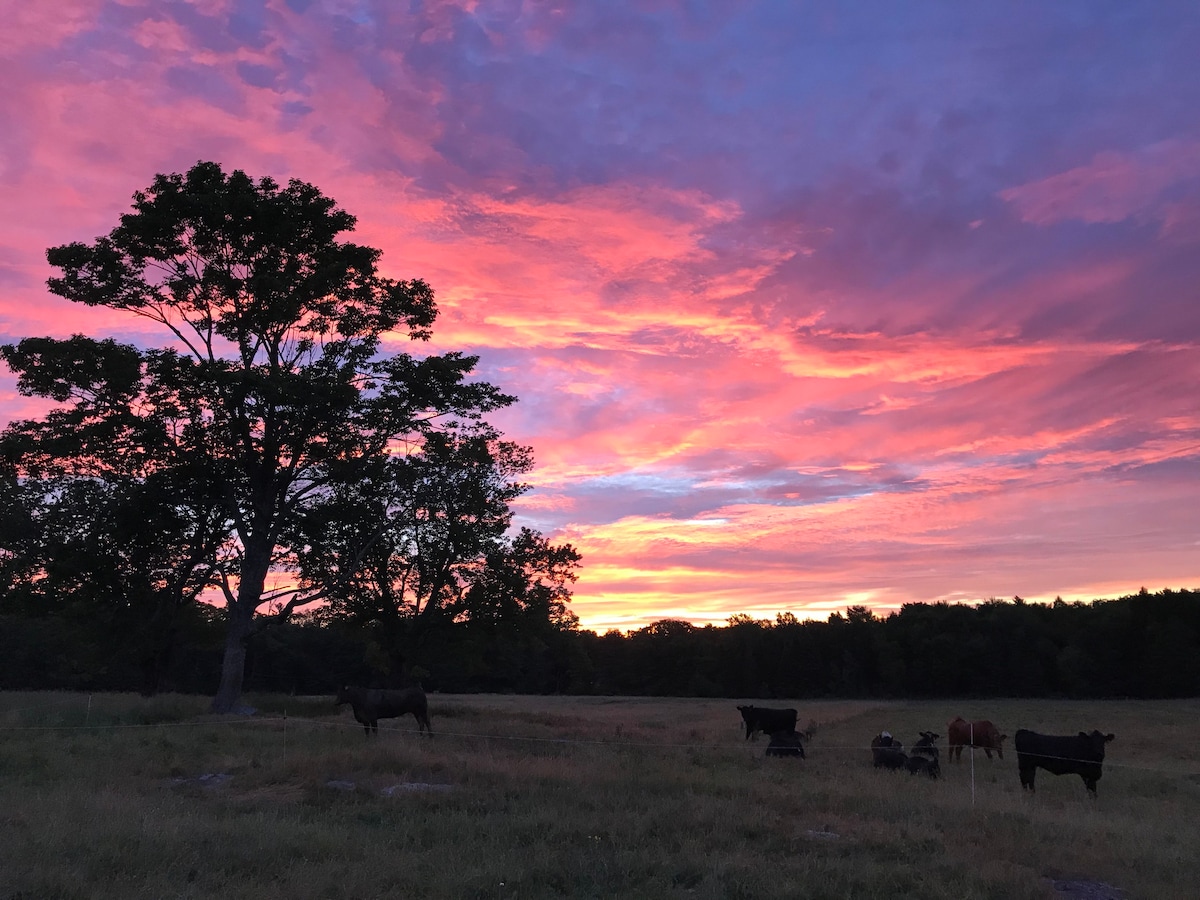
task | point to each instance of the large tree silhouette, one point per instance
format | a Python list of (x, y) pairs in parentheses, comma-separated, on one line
[(273, 386)]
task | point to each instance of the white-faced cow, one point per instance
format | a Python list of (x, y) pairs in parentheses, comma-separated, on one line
[(768, 721), (1079, 754), (981, 733), (887, 752), (371, 704)]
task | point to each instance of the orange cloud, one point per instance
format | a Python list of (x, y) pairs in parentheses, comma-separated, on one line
[(882, 550)]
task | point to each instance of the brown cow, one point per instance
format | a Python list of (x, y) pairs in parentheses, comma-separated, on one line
[(981, 733)]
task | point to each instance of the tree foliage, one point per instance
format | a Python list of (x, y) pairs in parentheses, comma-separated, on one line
[(422, 541)]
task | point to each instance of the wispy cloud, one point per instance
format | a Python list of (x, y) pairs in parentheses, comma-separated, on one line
[(1113, 186)]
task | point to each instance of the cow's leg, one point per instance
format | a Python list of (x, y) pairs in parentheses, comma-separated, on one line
[(1027, 776), (988, 751), (1090, 784)]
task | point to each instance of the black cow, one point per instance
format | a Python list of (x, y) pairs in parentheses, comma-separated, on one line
[(370, 705), (768, 721), (887, 752), (924, 757), (923, 765), (1081, 754), (785, 743), (927, 745)]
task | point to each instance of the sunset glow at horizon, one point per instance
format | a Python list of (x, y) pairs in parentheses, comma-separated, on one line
[(806, 305)]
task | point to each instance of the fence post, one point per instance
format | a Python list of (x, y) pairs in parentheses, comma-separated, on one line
[(972, 733)]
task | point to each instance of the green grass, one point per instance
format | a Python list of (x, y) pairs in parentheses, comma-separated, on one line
[(574, 796)]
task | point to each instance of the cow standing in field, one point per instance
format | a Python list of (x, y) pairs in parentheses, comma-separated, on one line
[(371, 704), (1081, 754), (982, 733), (768, 721)]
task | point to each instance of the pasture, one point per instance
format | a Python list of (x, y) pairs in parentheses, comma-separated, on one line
[(528, 797)]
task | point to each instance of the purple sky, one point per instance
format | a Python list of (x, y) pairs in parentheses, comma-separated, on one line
[(807, 304)]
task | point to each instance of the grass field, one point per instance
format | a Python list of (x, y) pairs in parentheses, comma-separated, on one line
[(523, 797)]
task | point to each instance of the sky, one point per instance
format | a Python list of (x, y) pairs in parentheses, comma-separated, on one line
[(807, 304)]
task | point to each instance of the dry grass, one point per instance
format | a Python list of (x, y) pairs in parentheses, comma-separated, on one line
[(573, 796)]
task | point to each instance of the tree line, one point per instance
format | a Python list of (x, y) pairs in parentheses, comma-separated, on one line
[(1142, 645)]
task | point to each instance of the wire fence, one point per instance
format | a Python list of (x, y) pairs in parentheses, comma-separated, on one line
[(744, 747)]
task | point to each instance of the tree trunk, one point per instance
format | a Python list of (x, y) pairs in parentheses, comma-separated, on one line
[(233, 664), (240, 621)]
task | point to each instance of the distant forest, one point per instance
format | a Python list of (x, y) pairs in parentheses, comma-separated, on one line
[(1143, 645)]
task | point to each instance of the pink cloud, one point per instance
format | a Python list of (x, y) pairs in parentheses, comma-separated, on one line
[(29, 25), (1113, 187)]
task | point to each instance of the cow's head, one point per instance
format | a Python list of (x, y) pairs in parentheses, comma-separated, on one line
[(1096, 741), (343, 695), (885, 739)]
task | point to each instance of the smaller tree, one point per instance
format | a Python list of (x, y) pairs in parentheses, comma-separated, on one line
[(524, 578), (112, 523), (420, 542)]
